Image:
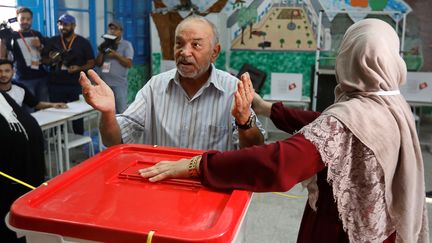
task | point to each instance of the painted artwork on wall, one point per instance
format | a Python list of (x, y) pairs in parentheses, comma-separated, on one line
[(274, 35), (278, 27)]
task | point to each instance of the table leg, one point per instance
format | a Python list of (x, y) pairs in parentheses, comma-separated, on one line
[(66, 145), (59, 148)]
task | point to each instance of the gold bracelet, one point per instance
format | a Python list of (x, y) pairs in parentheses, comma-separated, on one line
[(193, 167)]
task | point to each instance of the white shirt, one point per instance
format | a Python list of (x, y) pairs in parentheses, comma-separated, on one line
[(163, 114), (17, 93)]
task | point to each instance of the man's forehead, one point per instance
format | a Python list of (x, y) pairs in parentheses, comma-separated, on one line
[(24, 14), (194, 32), (5, 66), (197, 25)]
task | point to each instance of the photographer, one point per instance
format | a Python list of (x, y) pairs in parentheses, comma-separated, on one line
[(114, 58), (26, 45), (68, 54)]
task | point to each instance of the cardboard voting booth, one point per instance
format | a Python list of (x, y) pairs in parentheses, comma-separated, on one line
[(105, 200)]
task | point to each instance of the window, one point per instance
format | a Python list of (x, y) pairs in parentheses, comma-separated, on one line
[(84, 12), (134, 15), (37, 7)]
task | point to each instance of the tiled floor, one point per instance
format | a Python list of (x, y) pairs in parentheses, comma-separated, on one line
[(275, 218)]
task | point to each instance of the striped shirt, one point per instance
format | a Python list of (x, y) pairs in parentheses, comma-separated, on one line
[(163, 114)]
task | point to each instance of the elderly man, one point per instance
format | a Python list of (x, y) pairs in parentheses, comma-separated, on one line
[(192, 106)]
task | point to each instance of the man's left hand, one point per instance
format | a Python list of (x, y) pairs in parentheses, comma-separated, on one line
[(243, 99)]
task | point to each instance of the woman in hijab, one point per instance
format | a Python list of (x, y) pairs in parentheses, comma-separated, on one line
[(360, 159), (21, 156)]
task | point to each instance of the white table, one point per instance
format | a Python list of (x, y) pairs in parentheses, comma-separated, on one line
[(76, 110), (417, 112), (303, 103), (52, 120)]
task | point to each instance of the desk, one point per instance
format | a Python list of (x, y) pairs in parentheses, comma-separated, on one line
[(417, 113), (76, 110), (47, 120), (303, 103)]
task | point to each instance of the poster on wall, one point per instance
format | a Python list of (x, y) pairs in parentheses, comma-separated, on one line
[(418, 87), (286, 87)]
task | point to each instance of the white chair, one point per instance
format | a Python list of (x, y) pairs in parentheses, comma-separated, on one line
[(50, 138), (76, 140)]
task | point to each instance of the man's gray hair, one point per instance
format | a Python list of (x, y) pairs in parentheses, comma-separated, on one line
[(204, 20)]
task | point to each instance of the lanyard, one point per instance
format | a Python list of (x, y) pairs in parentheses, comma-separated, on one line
[(70, 43), (25, 42)]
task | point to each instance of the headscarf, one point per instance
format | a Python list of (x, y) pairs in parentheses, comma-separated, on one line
[(7, 112), (369, 71)]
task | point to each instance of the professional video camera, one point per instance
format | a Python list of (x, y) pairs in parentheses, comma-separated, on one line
[(5, 29), (108, 44)]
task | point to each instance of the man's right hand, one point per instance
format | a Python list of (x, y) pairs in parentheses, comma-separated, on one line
[(99, 96)]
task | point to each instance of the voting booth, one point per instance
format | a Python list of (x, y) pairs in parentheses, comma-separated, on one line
[(104, 199)]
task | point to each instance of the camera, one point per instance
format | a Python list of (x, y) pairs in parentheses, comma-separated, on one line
[(110, 43), (5, 29), (61, 57)]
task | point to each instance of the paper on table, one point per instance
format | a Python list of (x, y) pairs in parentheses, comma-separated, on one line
[(74, 107)]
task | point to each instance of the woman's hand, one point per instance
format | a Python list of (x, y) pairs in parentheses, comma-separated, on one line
[(166, 170)]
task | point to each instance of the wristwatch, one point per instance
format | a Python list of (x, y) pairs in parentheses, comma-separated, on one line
[(249, 124)]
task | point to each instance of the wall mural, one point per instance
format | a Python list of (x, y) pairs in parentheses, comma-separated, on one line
[(280, 28), (274, 35)]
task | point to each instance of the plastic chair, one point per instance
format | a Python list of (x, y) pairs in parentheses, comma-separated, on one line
[(75, 140)]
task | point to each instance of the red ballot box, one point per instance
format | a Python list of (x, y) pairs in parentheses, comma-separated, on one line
[(105, 200)]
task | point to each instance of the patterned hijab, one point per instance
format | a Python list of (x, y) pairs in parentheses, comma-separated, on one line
[(369, 71)]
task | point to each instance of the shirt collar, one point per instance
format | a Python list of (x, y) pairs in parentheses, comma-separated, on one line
[(174, 77)]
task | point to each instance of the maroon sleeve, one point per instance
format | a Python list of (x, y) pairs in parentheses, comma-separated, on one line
[(289, 119), (271, 167)]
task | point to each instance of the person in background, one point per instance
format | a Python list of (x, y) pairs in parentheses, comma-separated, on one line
[(191, 106), (26, 45), (21, 156), (20, 93), (69, 54), (360, 159), (115, 58)]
